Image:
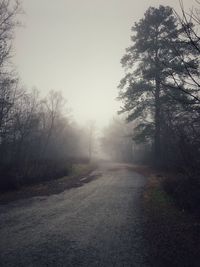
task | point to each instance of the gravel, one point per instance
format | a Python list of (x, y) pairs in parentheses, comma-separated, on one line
[(97, 224)]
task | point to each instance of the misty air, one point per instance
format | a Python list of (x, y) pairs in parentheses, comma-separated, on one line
[(99, 133)]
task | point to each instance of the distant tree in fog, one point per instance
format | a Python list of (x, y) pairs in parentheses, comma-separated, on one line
[(90, 138), (116, 141)]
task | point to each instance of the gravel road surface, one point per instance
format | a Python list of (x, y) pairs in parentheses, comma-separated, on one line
[(97, 224)]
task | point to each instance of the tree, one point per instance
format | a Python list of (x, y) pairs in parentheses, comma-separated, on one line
[(116, 142), (148, 86), (51, 111), (91, 136), (9, 11)]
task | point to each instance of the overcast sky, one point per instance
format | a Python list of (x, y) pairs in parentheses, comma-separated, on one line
[(75, 46)]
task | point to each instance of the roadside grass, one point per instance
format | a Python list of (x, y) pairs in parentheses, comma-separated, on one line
[(82, 169), (160, 197), (53, 186), (173, 234)]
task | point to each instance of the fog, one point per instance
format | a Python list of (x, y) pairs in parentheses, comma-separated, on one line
[(75, 47), (100, 118)]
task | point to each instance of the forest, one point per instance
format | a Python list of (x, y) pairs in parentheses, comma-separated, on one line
[(39, 140)]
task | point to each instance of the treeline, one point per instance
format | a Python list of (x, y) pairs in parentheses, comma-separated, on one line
[(38, 138), (161, 93)]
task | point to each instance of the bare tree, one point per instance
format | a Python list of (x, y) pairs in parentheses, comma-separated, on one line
[(9, 11), (91, 138), (52, 108)]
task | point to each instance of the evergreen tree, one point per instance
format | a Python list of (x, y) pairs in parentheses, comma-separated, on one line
[(155, 74)]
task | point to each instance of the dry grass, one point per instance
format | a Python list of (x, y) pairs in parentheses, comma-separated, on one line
[(51, 187)]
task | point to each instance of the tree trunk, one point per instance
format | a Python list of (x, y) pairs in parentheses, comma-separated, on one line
[(157, 124)]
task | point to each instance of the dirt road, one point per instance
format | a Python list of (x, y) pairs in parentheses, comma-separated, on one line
[(97, 224)]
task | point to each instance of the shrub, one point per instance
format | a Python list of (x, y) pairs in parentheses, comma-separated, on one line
[(185, 190)]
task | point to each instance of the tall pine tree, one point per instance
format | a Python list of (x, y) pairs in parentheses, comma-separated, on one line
[(155, 73)]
